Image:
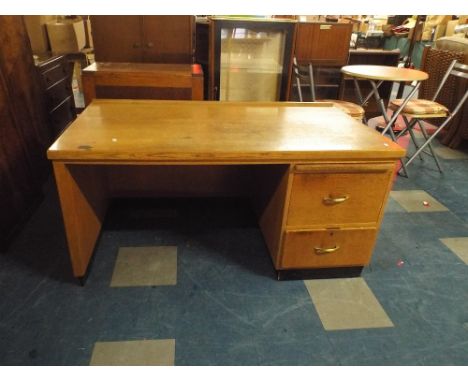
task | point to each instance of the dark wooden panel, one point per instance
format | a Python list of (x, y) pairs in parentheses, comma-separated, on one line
[(56, 74), (62, 116), (161, 39), (24, 132), (168, 39), (323, 43), (117, 38)]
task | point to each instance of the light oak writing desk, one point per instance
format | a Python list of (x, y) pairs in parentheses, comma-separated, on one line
[(318, 180)]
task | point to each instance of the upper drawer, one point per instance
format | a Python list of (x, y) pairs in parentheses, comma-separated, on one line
[(54, 74), (337, 194)]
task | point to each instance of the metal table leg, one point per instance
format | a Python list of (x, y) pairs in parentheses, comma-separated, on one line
[(390, 121)]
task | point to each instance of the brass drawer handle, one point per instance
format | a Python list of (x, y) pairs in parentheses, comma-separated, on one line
[(331, 201), (324, 251)]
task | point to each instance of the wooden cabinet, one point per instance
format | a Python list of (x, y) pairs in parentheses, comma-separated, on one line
[(248, 59), (159, 39), (56, 76), (24, 133), (323, 44)]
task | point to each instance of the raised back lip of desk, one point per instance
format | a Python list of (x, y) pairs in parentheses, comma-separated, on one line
[(135, 131)]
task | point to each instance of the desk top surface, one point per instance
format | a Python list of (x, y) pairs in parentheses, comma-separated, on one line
[(385, 73), (135, 131)]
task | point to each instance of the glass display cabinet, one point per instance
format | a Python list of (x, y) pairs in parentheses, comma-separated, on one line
[(250, 59)]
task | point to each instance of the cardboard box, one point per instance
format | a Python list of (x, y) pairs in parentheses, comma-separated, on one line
[(36, 27), (66, 35)]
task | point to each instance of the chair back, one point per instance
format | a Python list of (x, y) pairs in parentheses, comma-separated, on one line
[(302, 72), (436, 62), (458, 70)]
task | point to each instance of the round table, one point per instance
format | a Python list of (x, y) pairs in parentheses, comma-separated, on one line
[(384, 73), (381, 73)]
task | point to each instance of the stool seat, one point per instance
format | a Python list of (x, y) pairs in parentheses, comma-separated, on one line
[(349, 108), (420, 108)]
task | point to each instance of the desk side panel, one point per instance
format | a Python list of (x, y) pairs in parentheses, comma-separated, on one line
[(83, 198)]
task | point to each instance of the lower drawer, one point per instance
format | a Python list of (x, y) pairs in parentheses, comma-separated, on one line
[(327, 248)]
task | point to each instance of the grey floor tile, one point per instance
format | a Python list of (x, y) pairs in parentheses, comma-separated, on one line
[(347, 304), (448, 153), (417, 201), (458, 245), (134, 353), (145, 266)]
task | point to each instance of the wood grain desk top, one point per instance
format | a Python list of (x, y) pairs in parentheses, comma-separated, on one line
[(384, 73), (134, 131)]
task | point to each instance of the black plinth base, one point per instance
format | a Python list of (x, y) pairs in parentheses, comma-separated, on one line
[(320, 273)]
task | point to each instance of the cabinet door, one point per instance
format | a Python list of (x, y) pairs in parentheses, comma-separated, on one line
[(168, 39), (117, 38), (323, 43)]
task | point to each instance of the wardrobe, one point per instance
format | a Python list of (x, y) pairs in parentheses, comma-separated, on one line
[(24, 131)]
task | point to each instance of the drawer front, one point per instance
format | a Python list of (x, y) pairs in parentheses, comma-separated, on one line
[(330, 199), (61, 117), (58, 93), (54, 74), (327, 248)]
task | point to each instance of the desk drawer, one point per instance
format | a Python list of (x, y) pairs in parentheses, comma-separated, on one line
[(327, 248), (346, 195)]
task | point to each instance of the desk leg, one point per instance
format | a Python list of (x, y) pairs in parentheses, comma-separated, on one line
[(89, 88), (83, 197)]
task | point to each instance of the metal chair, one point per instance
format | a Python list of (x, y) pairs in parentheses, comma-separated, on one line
[(306, 73), (417, 110)]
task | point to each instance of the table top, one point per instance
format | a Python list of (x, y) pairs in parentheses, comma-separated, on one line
[(384, 73), (134, 131)]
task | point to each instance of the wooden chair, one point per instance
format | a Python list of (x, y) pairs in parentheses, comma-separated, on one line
[(417, 110)]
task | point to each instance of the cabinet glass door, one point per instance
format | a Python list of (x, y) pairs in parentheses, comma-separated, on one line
[(252, 59), (251, 64)]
